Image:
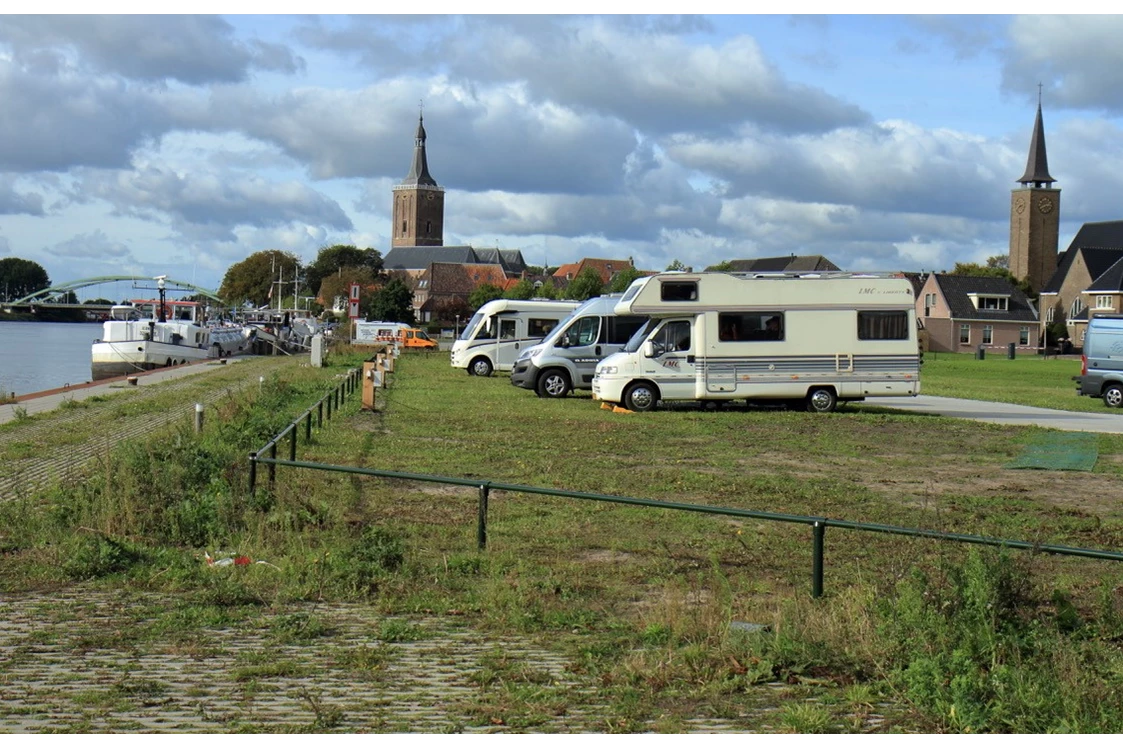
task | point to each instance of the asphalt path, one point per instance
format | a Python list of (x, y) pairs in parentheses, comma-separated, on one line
[(1108, 422)]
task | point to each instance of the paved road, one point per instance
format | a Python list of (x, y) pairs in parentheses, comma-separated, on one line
[(1108, 422)]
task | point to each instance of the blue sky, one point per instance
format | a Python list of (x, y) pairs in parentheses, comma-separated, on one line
[(180, 145)]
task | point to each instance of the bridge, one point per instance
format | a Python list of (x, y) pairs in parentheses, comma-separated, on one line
[(56, 296)]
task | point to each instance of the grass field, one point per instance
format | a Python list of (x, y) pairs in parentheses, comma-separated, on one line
[(647, 606), (1025, 380)]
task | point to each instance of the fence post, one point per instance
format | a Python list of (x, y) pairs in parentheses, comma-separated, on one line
[(320, 414), (272, 466), (308, 427), (198, 418), (481, 523), (292, 445), (253, 471), (329, 407), (818, 530)]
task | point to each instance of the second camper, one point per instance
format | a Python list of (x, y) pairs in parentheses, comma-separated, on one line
[(567, 359)]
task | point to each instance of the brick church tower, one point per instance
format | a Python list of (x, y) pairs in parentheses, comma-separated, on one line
[(419, 203), (1035, 216)]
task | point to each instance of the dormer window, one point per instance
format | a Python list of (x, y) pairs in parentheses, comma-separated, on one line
[(990, 302), (1104, 302)]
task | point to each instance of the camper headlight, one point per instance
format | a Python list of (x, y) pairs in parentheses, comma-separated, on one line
[(607, 370), (528, 353)]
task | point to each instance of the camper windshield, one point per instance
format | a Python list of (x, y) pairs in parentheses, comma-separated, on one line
[(640, 336), (470, 328)]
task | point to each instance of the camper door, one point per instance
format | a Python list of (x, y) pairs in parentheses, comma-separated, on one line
[(668, 358), (507, 343)]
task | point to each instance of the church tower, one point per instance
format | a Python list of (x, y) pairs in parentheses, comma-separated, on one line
[(1035, 216), (419, 203)]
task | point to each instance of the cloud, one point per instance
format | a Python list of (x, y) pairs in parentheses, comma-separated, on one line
[(13, 202), (94, 245)]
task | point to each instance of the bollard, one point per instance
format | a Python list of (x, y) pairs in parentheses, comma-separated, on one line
[(253, 471), (817, 560), (980, 353), (1010, 351), (198, 418), (481, 523)]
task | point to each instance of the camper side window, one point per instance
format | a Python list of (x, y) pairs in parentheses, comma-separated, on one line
[(680, 291), (508, 329), (539, 328), (750, 326), (883, 326)]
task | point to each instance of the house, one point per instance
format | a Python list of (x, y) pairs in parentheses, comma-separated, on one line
[(1088, 278), (415, 260), (786, 264), (607, 269), (447, 285), (961, 313)]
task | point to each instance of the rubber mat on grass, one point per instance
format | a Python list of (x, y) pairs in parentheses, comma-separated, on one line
[(1059, 451)]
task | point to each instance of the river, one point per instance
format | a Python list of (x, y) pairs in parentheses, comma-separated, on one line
[(36, 356)]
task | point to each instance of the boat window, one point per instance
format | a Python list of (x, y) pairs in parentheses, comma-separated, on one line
[(750, 326), (883, 325)]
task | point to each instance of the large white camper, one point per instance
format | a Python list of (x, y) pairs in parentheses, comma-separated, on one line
[(501, 329), (818, 339)]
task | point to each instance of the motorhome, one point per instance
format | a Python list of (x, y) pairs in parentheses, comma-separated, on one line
[(817, 339), (1101, 364), (501, 329), (567, 358)]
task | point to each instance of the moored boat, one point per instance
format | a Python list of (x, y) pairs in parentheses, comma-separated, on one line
[(172, 334)]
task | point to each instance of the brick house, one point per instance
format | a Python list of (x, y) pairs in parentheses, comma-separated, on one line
[(1088, 279), (607, 269), (961, 313), (447, 285)]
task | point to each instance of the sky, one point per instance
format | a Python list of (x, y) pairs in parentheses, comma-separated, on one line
[(180, 145)]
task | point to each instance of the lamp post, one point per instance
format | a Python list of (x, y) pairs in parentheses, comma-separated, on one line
[(456, 332)]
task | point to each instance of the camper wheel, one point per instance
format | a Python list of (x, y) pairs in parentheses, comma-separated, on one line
[(553, 383), (1113, 396), (641, 397), (480, 367), (821, 400)]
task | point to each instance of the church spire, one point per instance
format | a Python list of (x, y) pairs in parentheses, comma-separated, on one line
[(419, 169), (1037, 165)]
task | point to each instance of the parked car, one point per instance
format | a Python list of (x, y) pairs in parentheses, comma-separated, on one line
[(1101, 365)]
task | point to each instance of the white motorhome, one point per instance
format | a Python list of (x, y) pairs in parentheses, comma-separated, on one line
[(501, 329), (815, 338), (567, 359)]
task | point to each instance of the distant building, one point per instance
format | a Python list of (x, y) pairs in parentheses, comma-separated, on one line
[(785, 264), (606, 269), (415, 260), (1088, 279), (446, 286), (961, 312), (1035, 210), (419, 202)]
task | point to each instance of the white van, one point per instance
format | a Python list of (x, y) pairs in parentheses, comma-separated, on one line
[(501, 329), (817, 339), (567, 359)]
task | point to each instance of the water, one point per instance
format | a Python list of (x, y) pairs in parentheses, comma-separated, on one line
[(36, 356)]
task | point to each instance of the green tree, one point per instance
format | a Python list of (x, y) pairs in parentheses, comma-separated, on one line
[(999, 261), (524, 289), (676, 264), (335, 258), (338, 284), (547, 291), (391, 303), (623, 279), (725, 266), (586, 285), (19, 277), (484, 293), (252, 279)]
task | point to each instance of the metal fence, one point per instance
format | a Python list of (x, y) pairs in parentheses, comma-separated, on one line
[(818, 525)]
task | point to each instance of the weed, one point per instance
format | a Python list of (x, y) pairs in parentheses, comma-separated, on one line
[(394, 630), (805, 718)]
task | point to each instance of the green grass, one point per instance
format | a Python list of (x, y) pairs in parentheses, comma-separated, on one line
[(1026, 380), (638, 601)]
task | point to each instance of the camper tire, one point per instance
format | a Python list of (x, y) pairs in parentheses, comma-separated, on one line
[(553, 383), (1113, 396), (641, 397), (821, 400), (480, 367)]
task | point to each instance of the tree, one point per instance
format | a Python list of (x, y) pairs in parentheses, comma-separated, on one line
[(999, 261), (484, 293), (392, 303), (677, 264), (337, 257), (725, 266), (338, 284), (19, 277), (524, 289), (252, 279), (623, 279), (547, 291), (535, 270), (586, 285)]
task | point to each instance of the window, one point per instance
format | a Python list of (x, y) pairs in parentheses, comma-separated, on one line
[(883, 326), (1076, 308), (988, 334), (428, 227), (992, 303), (1023, 336), (621, 329), (965, 334), (680, 291), (403, 227), (674, 337), (583, 331), (745, 326), (1103, 302), (1049, 314), (508, 329), (539, 328)]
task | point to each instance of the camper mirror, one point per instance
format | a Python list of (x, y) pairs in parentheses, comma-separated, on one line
[(649, 349), (565, 341)]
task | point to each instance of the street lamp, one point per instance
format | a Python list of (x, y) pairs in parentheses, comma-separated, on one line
[(456, 333)]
